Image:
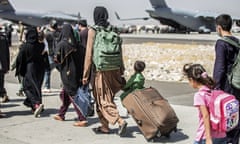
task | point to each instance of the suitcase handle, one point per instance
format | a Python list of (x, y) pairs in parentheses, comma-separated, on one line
[(139, 122)]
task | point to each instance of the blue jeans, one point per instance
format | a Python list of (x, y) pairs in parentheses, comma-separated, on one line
[(200, 142), (220, 140), (215, 141), (47, 78)]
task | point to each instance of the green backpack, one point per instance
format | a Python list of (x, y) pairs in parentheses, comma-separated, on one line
[(234, 74), (107, 49)]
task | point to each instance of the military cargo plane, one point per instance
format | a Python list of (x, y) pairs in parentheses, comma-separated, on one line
[(183, 21), (8, 12)]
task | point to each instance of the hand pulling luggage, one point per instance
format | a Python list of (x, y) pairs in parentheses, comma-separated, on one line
[(152, 113)]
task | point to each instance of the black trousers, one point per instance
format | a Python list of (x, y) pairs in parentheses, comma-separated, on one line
[(234, 135), (2, 88)]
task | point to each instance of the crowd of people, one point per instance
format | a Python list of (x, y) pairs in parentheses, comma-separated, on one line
[(71, 52)]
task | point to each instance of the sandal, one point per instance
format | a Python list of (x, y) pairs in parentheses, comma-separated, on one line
[(122, 128), (99, 130)]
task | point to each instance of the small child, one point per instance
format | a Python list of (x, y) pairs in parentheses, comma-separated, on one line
[(136, 81), (199, 79)]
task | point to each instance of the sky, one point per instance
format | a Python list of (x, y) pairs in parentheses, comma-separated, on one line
[(125, 8)]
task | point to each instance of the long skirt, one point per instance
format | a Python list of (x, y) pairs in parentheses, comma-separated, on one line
[(32, 83)]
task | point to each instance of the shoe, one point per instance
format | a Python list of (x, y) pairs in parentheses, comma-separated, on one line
[(5, 99), (80, 123), (57, 117), (99, 130), (122, 128), (38, 110)]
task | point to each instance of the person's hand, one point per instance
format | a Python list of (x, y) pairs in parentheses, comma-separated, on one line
[(55, 59), (84, 81)]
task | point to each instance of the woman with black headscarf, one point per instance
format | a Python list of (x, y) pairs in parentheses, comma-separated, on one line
[(107, 83), (68, 56), (30, 65)]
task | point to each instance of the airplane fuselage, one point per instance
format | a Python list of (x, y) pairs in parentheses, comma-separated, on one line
[(28, 19), (182, 19), (8, 12)]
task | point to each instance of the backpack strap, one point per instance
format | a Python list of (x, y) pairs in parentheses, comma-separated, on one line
[(95, 27), (109, 28), (231, 42)]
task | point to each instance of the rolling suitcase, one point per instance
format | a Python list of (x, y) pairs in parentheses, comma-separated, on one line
[(152, 113)]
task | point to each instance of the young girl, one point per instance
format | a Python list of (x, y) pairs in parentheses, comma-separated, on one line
[(136, 81), (199, 79)]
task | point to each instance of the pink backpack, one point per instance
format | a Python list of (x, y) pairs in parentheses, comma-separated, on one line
[(224, 111)]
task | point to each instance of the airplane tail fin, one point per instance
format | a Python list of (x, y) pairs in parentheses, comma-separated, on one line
[(158, 3), (118, 17), (5, 5)]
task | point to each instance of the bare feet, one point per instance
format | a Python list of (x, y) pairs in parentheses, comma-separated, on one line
[(81, 123), (57, 117)]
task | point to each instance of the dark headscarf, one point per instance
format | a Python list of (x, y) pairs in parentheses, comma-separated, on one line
[(67, 34), (101, 16), (69, 57), (32, 35), (67, 43), (30, 52)]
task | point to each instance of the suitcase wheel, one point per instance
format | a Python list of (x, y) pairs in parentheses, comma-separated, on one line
[(167, 135), (151, 140), (158, 134)]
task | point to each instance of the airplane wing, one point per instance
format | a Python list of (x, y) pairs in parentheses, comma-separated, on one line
[(127, 19), (58, 15), (235, 18), (206, 15), (211, 16)]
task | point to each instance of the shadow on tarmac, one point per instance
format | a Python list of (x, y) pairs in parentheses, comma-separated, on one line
[(174, 136), (9, 105), (17, 113)]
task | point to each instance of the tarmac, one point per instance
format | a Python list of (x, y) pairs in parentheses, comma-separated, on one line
[(21, 127)]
